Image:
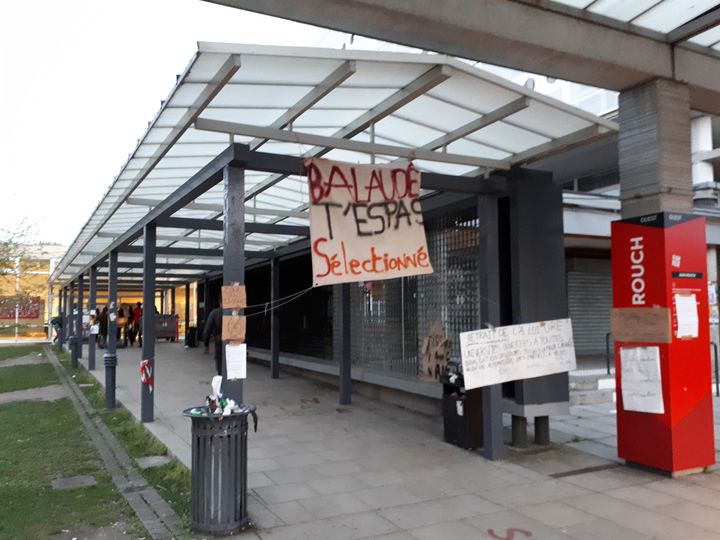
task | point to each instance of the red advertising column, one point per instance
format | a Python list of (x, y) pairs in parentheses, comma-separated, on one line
[(664, 416)]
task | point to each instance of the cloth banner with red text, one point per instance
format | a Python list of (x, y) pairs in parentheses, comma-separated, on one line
[(366, 222)]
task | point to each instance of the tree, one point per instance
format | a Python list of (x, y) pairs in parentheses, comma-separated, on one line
[(17, 257)]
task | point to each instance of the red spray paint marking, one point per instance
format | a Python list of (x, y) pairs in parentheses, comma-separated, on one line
[(510, 534)]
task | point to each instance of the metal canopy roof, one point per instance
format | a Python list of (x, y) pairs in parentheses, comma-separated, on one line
[(356, 106), (696, 22)]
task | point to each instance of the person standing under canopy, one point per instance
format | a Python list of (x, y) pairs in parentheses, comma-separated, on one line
[(213, 328)]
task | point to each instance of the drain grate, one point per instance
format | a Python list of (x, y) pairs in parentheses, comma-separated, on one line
[(585, 470)]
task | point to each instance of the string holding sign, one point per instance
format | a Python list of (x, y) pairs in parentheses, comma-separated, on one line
[(366, 222)]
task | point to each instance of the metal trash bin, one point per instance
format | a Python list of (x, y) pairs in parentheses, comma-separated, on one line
[(462, 414), (219, 469), (191, 337)]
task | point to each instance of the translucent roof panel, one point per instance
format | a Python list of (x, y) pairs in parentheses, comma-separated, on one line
[(355, 106), (661, 16)]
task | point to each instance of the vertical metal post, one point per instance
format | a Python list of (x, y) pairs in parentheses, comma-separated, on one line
[(489, 264), (59, 343), (147, 391), (64, 314), (92, 301), (163, 294), (233, 256), (187, 312), (345, 397), (110, 356), (172, 301), (79, 320), (275, 317), (72, 334), (607, 352), (206, 300)]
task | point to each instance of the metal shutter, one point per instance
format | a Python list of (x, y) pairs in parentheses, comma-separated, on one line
[(589, 303)]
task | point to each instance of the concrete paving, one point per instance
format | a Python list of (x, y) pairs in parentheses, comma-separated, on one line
[(373, 470), (52, 392), (23, 360)]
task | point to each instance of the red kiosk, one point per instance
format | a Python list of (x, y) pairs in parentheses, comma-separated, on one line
[(662, 342)]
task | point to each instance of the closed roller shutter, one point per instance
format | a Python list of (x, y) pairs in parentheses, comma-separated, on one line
[(589, 303)]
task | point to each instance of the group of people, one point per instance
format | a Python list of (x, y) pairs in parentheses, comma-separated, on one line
[(129, 325)]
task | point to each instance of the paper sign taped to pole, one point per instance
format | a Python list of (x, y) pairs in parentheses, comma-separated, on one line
[(236, 361), (519, 351), (366, 222), (640, 379)]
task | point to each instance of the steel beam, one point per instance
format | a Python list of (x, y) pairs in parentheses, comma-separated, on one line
[(194, 252), (327, 85), (489, 301), (79, 321), (187, 312), (147, 394), (345, 360), (217, 225), (694, 27), (222, 126), (275, 318), (92, 305), (526, 35), (234, 256), (110, 356)]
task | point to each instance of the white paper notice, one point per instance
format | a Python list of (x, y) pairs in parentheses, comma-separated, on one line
[(520, 351), (640, 379), (687, 316), (236, 358)]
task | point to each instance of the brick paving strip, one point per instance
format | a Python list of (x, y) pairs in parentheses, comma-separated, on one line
[(156, 515)]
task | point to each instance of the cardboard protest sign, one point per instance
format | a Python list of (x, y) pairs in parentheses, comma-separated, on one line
[(234, 296), (434, 353), (233, 327), (366, 222), (519, 351)]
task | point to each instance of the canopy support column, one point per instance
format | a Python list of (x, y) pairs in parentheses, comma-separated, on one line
[(187, 312), (233, 256), (147, 395), (79, 320), (275, 317), (487, 208), (92, 300), (72, 334), (110, 356), (61, 331), (172, 301), (345, 362)]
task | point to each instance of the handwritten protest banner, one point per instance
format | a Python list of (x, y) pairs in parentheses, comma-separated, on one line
[(520, 351), (366, 222)]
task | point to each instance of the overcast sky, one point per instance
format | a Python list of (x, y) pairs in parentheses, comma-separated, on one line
[(79, 81)]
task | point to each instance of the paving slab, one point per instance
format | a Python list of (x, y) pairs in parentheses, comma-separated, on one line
[(52, 392), (74, 482), (373, 470), (150, 462), (23, 361)]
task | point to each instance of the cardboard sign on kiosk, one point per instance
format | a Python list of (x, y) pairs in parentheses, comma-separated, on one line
[(662, 343)]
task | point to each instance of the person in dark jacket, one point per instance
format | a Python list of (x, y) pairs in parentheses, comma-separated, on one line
[(213, 328)]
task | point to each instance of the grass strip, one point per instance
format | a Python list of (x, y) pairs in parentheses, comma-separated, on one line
[(16, 351), (14, 378), (39, 442), (172, 481)]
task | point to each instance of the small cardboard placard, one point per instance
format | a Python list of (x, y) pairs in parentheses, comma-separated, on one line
[(234, 297), (435, 352), (641, 325), (233, 327)]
